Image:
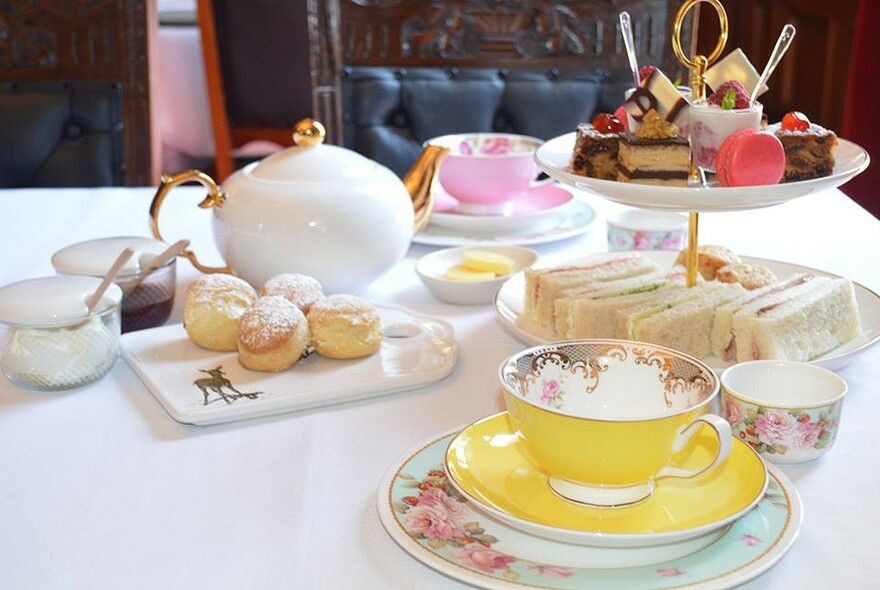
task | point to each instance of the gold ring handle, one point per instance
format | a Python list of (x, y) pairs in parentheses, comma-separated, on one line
[(676, 33), (214, 198)]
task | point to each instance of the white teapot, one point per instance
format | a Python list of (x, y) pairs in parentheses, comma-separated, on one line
[(319, 210)]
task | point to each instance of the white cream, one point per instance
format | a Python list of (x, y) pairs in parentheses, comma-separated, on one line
[(60, 358), (52, 343)]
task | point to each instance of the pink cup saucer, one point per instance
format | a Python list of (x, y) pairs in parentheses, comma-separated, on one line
[(534, 210), (537, 200)]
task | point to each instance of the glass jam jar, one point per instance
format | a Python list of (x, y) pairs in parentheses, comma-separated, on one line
[(51, 342), (147, 298)]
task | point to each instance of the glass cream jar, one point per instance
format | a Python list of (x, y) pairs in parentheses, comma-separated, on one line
[(51, 342)]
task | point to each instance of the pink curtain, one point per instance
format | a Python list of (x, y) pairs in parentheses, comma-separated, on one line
[(861, 117)]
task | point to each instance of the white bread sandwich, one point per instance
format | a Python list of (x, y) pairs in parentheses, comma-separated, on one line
[(589, 312), (822, 316), (544, 285), (685, 322), (723, 342)]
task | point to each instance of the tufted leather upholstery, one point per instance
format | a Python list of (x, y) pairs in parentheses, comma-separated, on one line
[(60, 134), (390, 112)]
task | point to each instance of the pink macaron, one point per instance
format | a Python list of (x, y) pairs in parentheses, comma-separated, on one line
[(750, 157)]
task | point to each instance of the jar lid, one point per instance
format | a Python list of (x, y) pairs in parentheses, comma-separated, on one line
[(95, 257), (50, 301), (309, 161)]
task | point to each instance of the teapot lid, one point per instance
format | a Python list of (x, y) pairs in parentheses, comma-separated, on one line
[(310, 161)]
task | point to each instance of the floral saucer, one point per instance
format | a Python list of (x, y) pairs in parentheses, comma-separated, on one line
[(434, 524), (488, 464)]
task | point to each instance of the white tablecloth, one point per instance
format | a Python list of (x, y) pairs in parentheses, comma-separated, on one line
[(102, 489)]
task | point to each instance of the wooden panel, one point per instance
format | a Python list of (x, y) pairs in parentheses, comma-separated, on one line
[(514, 34), (99, 40), (812, 75)]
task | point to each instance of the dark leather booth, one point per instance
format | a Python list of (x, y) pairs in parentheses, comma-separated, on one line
[(388, 113), (61, 134)]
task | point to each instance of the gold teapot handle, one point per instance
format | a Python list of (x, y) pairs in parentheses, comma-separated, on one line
[(215, 198)]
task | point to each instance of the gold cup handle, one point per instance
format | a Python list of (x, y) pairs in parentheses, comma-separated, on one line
[(215, 198)]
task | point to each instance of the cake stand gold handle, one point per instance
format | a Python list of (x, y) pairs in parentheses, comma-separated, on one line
[(698, 64)]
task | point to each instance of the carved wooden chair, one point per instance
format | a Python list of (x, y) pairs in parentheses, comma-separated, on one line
[(394, 73), (75, 94), (256, 55)]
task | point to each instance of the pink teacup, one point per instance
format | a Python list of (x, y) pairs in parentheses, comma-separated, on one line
[(484, 172)]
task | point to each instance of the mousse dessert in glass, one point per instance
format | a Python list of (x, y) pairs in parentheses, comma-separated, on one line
[(726, 111)]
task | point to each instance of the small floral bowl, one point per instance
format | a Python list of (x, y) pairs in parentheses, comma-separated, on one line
[(640, 229), (787, 411)]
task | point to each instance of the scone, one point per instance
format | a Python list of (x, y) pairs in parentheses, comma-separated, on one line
[(212, 309), (273, 335), (750, 276), (709, 259), (301, 290), (345, 327)]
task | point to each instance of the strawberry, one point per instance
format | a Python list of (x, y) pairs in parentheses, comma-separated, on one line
[(605, 123), (740, 98), (795, 121), (620, 115), (644, 72)]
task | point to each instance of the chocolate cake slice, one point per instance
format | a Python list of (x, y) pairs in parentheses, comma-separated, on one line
[(808, 153), (595, 153), (653, 161)]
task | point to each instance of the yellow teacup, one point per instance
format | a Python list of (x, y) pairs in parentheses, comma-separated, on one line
[(606, 418)]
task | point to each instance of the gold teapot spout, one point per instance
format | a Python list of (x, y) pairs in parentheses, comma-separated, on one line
[(419, 182)]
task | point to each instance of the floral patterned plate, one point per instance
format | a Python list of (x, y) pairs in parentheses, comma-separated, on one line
[(488, 464), (425, 515)]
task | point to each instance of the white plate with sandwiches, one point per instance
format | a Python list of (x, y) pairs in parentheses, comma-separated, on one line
[(553, 157), (641, 297)]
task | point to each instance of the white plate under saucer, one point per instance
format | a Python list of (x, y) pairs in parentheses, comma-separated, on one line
[(568, 221), (415, 351), (430, 521), (488, 464), (509, 307), (554, 156), (535, 209)]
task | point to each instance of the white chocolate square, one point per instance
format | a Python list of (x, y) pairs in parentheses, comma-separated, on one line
[(734, 66)]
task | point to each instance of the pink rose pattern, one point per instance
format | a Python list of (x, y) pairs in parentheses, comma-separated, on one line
[(490, 146), (551, 393), (777, 431), (623, 240), (437, 516), (670, 572)]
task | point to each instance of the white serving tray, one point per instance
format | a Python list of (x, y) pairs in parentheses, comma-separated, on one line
[(415, 351)]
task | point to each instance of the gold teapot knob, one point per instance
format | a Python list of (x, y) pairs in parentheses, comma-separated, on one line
[(308, 132)]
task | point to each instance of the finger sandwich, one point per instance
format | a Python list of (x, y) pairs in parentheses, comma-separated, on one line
[(723, 341), (822, 315), (545, 285), (588, 312), (684, 321)]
